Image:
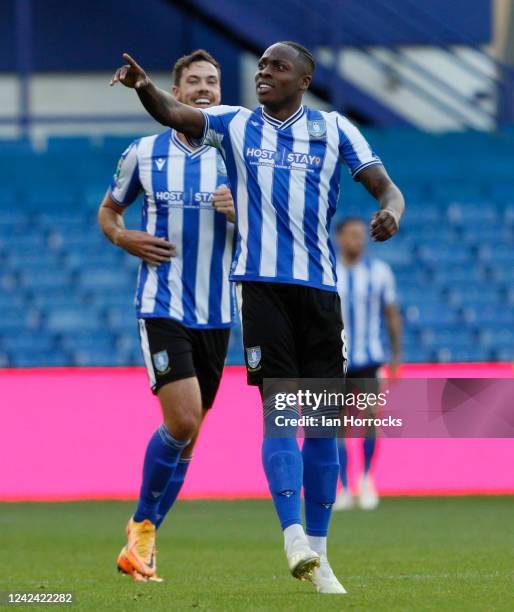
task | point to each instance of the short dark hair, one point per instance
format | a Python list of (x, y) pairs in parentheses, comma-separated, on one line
[(305, 54), (342, 223), (200, 55)]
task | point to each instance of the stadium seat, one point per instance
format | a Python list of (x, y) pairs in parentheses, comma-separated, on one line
[(72, 321)]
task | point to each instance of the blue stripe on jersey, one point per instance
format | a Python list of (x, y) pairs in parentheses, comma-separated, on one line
[(280, 191), (253, 140), (218, 249), (160, 183), (310, 220), (190, 230), (142, 274)]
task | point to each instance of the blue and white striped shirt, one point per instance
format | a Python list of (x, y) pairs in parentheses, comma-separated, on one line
[(285, 177), (178, 184), (364, 289)]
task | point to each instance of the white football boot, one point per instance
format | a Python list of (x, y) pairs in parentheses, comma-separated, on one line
[(325, 581), (301, 559), (368, 496), (344, 501)]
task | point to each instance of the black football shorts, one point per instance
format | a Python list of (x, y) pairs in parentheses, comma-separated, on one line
[(291, 331), (172, 352)]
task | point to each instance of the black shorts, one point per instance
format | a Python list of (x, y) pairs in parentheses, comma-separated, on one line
[(291, 331), (172, 352)]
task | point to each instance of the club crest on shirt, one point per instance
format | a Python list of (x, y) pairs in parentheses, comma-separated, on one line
[(161, 361), (317, 128), (253, 357)]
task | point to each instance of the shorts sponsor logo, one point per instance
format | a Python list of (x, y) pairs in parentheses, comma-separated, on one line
[(161, 362), (253, 357)]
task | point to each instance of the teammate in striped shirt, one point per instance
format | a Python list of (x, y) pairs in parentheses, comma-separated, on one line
[(184, 299), (368, 296), (284, 164)]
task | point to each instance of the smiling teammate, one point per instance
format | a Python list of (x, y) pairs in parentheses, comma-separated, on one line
[(184, 298), (284, 163)]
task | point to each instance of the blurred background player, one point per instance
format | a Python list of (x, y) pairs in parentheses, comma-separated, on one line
[(184, 298), (368, 296), (291, 313)]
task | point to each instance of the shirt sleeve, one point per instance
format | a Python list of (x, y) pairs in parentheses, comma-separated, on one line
[(125, 185), (354, 149), (389, 286), (217, 120)]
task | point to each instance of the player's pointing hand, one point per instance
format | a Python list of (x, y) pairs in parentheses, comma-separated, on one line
[(131, 74)]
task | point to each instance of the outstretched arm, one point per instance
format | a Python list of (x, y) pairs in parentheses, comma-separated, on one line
[(163, 107), (385, 223)]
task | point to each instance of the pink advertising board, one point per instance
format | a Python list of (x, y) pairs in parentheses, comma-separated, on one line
[(81, 434)]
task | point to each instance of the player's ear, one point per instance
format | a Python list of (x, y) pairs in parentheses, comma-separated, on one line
[(174, 91), (305, 82)]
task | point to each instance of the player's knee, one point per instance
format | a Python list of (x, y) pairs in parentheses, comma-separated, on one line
[(182, 420)]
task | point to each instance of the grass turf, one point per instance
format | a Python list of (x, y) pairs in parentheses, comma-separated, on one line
[(410, 554)]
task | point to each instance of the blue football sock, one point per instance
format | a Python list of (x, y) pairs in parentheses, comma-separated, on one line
[(282, 462), (161, 458), (172, 490), (320, 474), (343, 461), (369, 446)]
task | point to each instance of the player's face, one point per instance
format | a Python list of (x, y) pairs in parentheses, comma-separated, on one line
[(280, 77), (199, 85), (352, 239)]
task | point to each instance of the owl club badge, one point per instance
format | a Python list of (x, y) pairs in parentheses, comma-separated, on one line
[(317, 128)]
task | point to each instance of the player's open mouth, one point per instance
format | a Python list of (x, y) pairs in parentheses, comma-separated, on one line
[(202, 102), (263, 87)]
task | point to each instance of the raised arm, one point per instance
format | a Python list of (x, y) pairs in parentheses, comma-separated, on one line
[(385, 223), (163, 107)]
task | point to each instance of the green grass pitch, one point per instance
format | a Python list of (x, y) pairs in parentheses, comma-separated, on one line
[(411, 554)]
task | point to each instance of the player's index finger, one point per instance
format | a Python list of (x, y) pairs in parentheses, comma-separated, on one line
[(131, 61)]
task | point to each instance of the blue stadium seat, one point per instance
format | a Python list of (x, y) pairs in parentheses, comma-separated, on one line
[(109, 279), (63, 320), (36, 359), (444, 253), (121, 320), (472, 212), (29, 342), (57, 279)]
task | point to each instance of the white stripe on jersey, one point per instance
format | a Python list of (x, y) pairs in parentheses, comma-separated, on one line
[(144, 154), (364, 288), (268, 263), (297, 195), (205, 241), (176, 172)]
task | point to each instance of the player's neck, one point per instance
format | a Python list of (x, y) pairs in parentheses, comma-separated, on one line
[(350, 259), (183, 139), (284, 112)]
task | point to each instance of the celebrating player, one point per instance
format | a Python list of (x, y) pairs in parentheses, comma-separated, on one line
[(184, 299), (367, 290), (284, 163)]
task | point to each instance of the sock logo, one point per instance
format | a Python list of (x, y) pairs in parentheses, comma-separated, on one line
[(156, 494), (287, 493), (161, 361)]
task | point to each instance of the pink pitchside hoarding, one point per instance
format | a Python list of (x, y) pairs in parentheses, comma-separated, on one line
[(81, 433)]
